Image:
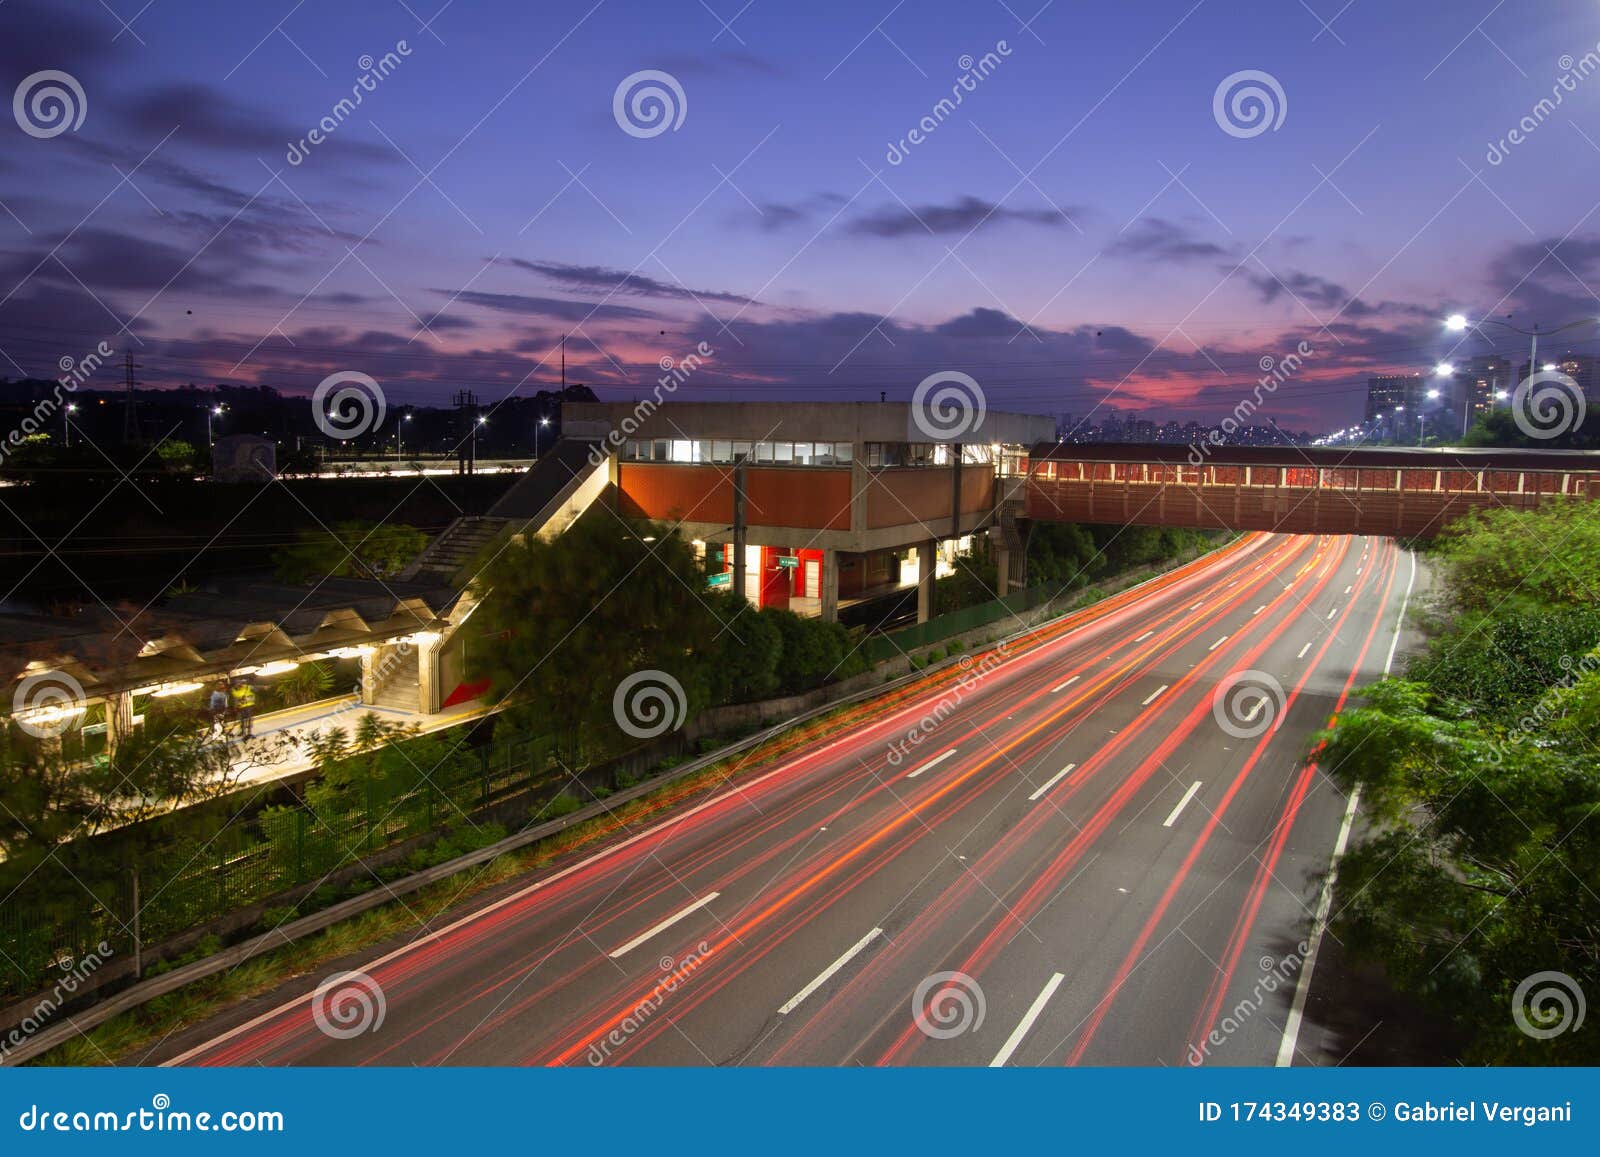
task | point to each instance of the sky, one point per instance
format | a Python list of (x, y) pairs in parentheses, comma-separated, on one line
[(1089, 230)]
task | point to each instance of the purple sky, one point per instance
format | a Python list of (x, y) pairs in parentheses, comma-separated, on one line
[(1080, 232)]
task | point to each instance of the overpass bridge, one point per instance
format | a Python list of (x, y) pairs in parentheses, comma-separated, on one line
[(1297, 489)]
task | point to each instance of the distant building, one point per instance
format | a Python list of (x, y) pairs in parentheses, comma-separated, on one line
[(1389, 392), (244, 458), (1581, 368)]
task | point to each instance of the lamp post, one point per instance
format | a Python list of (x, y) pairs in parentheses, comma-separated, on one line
[(482, 421), (212, 412), (1446, 370), (399, 424), (66, 423), (1458, 323), (537, 430)]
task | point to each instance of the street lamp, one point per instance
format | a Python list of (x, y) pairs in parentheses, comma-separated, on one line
[(1458, 323), (212, 412), (66, 423), (482, 421), (397, 427), (543, 422)]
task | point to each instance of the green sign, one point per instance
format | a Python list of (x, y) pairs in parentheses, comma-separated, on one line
[(788, 561), (725, 579)]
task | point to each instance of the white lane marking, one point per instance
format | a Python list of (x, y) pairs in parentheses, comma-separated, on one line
[(1153, 695), (1198, 605), (1064, 686), (936, 759), (1218, 643), (1297, 1010), (1333, 612), (1401, 620), (1258, 610), (827, 973), (1255, 709), (1144, 636), (1348, 589), (1182, 803), (1304, 649), (1034, 1009), (1052, 781), (1231, 585), (665, 924)]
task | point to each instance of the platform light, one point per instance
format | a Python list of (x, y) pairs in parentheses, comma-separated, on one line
[(278, 667), (167, 690)]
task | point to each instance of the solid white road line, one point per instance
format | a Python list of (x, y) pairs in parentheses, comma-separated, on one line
[(1144, 636), (1034, 1009), (1297, 1010), (936, 759), (827, 973), (665, 924), (1304, 649), (1218, 643), (1182, 803), (1401, 620), (1064, 686), (1052, 781), (1153, 695)]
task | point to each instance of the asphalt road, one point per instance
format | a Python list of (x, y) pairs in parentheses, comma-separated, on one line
[(1099, 845)]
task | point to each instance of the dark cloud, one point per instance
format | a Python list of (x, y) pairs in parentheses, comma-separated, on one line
[(981, 323), (715, 64), (37, 36), (960, 216), (1158, 239), (558, 308), (775, 215), (599, 277), (210, 118)]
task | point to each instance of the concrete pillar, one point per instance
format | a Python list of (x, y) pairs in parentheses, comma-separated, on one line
[(927, 566), (1002, 563), (830, 585), (369, 673), (119, 720), (429, 689)]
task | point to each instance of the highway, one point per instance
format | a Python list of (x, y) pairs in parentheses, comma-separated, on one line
[(1099, 844)]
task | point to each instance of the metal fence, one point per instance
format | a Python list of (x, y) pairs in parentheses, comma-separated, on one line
[(56, 917)]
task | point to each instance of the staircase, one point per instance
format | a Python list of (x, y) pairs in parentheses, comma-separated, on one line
[(399, 687), (447, 556)]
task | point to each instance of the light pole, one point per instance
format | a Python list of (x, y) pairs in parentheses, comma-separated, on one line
[(543, 422), (212, 412), (482, 421), (66, 423), (399, 424), (1458, 323), (1446, 370)]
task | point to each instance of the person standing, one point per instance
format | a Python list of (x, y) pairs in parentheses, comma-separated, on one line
[(219, 708), (244, 707)]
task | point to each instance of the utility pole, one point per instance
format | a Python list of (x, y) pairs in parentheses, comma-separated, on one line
[(130, 416), (740, 527), (466, 403)]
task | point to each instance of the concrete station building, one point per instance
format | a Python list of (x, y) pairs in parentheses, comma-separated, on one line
[(840, 500)]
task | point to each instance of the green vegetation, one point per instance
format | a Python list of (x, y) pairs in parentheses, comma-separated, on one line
[(353, 548), (566, 621), (1481, 770)]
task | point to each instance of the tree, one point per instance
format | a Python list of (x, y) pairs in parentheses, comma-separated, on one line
[(354, 548), (1481, 773), (568, 620)]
